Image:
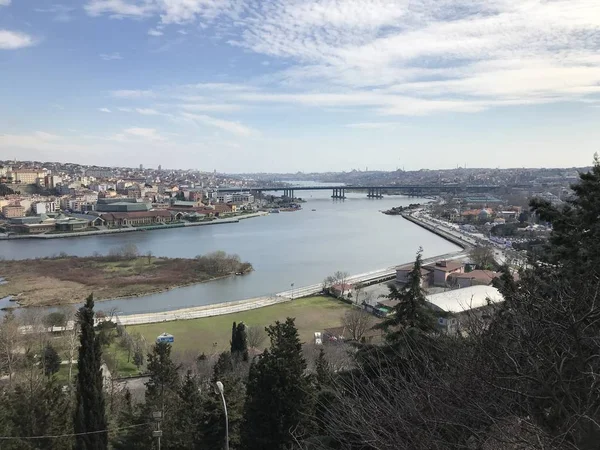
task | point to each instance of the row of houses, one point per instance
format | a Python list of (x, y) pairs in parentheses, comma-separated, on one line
[(448, 274)]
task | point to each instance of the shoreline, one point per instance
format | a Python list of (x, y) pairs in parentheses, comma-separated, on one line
[(229, 307), (100, 300), (437, 231), (236, 219), (223, 308), (24, 292)]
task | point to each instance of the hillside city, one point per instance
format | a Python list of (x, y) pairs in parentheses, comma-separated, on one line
[(41, 198)]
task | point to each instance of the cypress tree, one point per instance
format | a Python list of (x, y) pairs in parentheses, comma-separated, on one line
[(239, 341), (278, 394), (90, 416)]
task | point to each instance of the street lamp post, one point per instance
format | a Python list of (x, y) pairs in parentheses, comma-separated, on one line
[(219, 390)]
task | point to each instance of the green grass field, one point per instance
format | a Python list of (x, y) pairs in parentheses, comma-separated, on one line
[(311, 313)]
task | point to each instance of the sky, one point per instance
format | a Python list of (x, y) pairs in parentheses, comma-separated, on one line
[(301, 85)]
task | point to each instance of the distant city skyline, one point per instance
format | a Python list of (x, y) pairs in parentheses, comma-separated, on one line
[(301, 85)]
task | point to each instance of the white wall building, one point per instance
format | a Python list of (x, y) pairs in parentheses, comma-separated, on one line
[(223, 197), (475, 303), (242, 197), (44, 207)]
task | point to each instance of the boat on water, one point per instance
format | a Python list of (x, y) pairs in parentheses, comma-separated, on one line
[(274, 211), (290, 209), (314, 209)]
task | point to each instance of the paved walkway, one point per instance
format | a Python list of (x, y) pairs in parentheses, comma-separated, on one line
[(261, 302)]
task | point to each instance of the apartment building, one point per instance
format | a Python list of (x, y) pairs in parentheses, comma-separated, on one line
[(11, 211), (26, 176)]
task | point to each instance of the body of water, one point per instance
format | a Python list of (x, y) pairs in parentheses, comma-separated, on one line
[(301, 247)]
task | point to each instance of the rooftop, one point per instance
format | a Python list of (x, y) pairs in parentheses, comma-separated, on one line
[(444, 266), (459, 300), (479, 275)]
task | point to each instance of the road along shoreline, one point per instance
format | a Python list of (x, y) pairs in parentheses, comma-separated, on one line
[(260, 302), (436, 230)]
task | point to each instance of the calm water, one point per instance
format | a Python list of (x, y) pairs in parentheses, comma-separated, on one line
[(300, 247)]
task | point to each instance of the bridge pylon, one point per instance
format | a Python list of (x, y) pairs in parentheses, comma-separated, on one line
[(339, 193), (374, 193)]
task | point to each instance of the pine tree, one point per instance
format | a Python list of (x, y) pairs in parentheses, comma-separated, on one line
[(161, 390), (40, 408), (50, 361), (136, 434), (278, 394), (224, 366), (188, 416), (575, 240), (90, 415), (411, 312), (213, 415)]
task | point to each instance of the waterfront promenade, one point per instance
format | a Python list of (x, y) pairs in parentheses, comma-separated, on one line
[(236, 219), (260, 302)]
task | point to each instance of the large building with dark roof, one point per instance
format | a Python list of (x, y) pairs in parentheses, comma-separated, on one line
[(121, 205)]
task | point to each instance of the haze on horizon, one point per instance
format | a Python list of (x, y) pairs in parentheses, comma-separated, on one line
[(301, 85)]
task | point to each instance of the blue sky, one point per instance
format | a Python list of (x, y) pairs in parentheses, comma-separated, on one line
[(310, 85)]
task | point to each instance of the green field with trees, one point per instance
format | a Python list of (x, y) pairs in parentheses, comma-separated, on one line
[(311, 313)]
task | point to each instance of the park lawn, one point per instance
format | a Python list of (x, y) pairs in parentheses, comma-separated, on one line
[(62, 375), (115, 357), (199, 335)]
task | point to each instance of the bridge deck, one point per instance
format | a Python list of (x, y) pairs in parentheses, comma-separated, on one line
[(366, 188)]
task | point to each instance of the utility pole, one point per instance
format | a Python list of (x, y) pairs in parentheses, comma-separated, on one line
[(292, 291), (158, 417)]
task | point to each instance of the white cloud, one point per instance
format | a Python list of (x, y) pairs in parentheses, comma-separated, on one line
[(128, 110), (4, 2), (12, 40), (144, 133), (147, 111), (110, 56), (371, 125), (132, 93), (60, 12), (120, 8), (154, 32), (400, 56), (104, 110), (226, 125), (211, 107), (170, 11), (38, 141), (46, 136), (182, 32)]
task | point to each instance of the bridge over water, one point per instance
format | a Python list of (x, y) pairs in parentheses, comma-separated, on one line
[(376, 191)]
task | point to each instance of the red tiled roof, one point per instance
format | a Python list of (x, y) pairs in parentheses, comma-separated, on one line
[(221, 208), (479, 275), (450, 266)]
